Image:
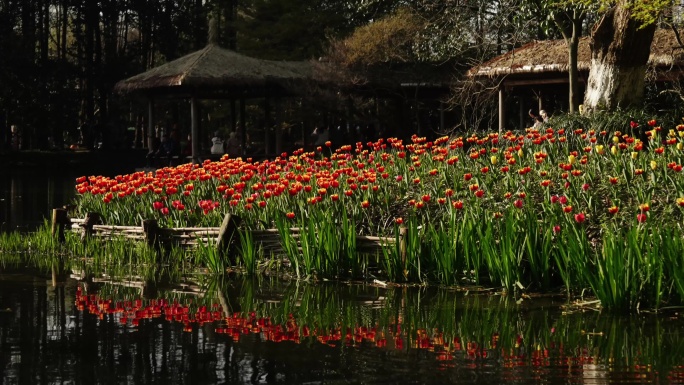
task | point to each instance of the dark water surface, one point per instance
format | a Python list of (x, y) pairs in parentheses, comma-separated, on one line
[(244, 331), (32, 184), (26, 200)]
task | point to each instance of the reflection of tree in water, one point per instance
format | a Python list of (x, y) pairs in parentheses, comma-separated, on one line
[(242, 331)]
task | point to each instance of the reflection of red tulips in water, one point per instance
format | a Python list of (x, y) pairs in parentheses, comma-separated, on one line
[(135, 313)]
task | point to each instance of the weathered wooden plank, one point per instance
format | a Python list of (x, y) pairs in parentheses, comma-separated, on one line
[(266, 239)]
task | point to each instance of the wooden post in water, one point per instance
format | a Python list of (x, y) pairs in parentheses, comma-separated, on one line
[(403, 232), (91, 219), (58, 274), (55, 275), (228, 229), (59, 220), (151, 231)]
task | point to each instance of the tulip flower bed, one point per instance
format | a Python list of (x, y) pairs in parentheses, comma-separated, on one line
[(534, 210)]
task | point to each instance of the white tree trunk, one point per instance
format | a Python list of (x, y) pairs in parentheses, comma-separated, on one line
[(620, 47), (611, 86)]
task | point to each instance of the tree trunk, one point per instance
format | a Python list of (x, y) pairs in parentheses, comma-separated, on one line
[(620, 47), (573, 75)]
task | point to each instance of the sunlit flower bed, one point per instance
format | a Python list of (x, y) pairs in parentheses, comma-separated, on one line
[(539, 209)]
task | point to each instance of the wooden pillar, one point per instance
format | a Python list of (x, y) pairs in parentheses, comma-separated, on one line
[(267, 127), (59, 220), (233, 116), (194, 130), (540, 102), (243, 126), (278, 128), (416, 110), (305, 126), (523, 115), (150, 125), (442, 122), (502, 109)]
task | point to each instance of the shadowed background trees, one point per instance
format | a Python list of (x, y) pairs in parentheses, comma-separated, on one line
[(59, 59)]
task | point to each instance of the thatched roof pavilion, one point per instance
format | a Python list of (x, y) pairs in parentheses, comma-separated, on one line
[(215, 72), (543, 63), (549, 57)]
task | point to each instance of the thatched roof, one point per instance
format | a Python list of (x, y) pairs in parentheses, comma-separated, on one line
[(551, 56), (214, 68)]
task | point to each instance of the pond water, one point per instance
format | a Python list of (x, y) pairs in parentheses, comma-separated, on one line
[(29, 193), (27, 199), (98, 330)]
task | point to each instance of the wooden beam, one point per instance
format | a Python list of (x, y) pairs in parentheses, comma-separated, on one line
[(194, 130), (267, 126), (243, 126), (533, 82), (150, 125), (502, 109)]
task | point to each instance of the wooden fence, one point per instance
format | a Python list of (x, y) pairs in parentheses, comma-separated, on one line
[(269, 240)]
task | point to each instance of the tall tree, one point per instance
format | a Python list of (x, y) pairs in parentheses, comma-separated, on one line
[(569, 20), (620, 48), (286, 29)]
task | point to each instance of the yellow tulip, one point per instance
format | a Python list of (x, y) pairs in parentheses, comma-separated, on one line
[(571, 159), (654, 165), (680, 146), (520, 153), (616, 139), (599, 149), (634, 154), (614, 150), (494, 159)]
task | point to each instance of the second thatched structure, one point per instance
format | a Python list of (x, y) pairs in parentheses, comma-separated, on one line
[(538, 71)]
